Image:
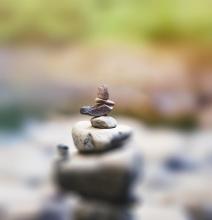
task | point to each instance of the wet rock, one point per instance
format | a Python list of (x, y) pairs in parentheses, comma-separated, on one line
[(109, 176), (89, 139), (104, 122)]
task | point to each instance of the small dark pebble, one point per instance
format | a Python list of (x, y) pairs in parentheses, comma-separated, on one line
[(180, 163), (63, 150)]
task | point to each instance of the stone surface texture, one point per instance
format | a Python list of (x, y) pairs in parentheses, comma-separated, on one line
[(92, 209), (89, 139), (109, 176), (104, 122)]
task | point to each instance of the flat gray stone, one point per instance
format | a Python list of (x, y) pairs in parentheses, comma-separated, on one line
[(89, 139), (104, 122), (107, 177)]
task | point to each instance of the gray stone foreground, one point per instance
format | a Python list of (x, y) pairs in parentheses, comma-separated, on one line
[(90, 210), (80, 209), (75, 208), (108, 176), (31, 157), (89, 139)]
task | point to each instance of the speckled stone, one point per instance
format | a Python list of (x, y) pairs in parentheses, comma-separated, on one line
[(104, 122), (89, 139)]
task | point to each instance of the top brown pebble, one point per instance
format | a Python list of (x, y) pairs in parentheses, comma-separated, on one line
[(103, 92)]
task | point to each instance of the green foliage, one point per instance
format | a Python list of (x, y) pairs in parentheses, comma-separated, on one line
[(134, 20)]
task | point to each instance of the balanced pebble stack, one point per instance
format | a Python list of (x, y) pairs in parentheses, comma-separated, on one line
[(104, 170)]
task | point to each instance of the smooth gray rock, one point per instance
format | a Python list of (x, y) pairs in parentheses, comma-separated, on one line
[(104, 122), (109, 176), (89, 139)]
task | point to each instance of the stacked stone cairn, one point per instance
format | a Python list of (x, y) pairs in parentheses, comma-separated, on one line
[(104, 170)]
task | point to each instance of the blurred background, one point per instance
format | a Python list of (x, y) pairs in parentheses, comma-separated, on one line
[(155, 57)]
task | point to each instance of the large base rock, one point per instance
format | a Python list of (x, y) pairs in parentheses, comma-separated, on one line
[(109, 176), (89, 139), (90, 210)]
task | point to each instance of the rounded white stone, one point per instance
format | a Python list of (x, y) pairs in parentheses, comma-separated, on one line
[(104, 122), (89, 139)]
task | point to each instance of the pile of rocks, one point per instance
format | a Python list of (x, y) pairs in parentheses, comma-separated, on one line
[(104, 169)]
